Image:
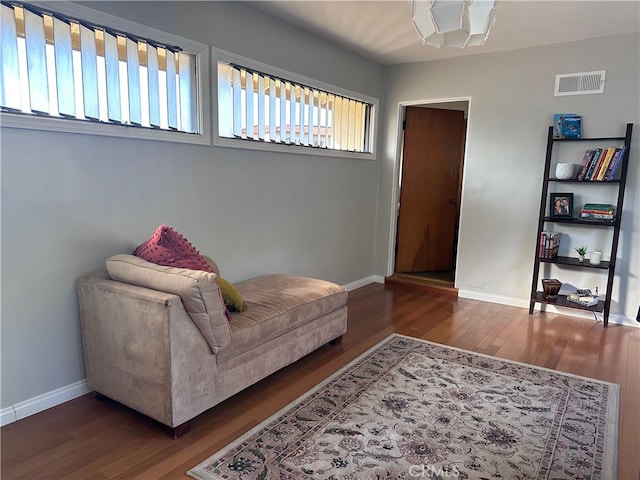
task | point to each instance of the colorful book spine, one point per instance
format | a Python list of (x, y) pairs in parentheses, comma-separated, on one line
[(597, 216), (615, 164), (598, 206), (586, 161), (614, 159), (602, 168), (549, 244), (593, 164), (594, 174)]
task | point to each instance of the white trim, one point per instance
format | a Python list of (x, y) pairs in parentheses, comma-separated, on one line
[(491, 298), (7, 416), (363, 282), (56, 124), (570, 312), (43, 402), (222, 55)]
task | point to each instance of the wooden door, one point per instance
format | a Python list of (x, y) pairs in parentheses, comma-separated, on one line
[(430, 189)]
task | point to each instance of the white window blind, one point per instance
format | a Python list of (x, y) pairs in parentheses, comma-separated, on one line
[(62, 67), (260, 107)]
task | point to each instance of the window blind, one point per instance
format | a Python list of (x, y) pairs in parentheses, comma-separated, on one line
[(264, 108), (57, 66)]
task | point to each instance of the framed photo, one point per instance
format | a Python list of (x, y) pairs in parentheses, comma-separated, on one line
[(561, 205)]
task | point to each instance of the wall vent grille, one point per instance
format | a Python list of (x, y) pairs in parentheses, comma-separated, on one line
[(582, 83)]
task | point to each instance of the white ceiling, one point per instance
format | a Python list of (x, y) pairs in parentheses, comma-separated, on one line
[(382, 30)]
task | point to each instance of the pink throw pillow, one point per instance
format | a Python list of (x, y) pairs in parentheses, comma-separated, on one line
[(169, 248)]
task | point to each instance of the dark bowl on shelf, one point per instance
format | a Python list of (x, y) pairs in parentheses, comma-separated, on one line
[(551, 287)]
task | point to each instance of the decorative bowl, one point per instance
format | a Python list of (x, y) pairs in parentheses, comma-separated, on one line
[(565, 171), (551, 287)]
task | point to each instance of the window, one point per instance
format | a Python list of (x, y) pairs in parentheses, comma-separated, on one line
[(259, 107), (58, 67)]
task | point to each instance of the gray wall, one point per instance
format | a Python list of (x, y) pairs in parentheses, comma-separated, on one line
[(70, 201), (512, 104)]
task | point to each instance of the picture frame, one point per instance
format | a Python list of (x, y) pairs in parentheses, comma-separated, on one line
[(561, 205)]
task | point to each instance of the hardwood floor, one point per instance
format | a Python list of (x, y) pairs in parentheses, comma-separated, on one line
[(88, 438)]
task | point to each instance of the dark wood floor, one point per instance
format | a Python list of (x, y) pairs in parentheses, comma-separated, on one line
[(88, 438)]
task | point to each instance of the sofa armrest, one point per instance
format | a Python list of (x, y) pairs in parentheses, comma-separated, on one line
[(143, 350)]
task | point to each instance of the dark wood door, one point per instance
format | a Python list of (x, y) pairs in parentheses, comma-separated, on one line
[(430, 189)]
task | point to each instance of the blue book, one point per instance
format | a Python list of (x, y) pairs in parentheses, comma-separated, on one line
[(571, 126), (558, 120), (613, 167)]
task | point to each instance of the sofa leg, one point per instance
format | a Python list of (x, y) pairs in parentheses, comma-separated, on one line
[(180, 430), (336, 341)]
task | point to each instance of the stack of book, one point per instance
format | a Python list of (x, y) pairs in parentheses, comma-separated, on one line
[(584, 297), (549, 244), (601, 164), (603, 212)]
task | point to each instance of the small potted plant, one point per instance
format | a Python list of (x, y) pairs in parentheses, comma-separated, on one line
[(582, 251)]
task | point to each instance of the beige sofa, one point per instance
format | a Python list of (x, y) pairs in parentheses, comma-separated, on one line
[(157, 338)]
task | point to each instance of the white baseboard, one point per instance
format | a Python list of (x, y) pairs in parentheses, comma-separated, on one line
[(364, 281), (518, 302), (7, 415), (42, 402), (492, 298)]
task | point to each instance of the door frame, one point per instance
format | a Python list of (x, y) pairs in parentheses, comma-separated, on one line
[(395, 188)]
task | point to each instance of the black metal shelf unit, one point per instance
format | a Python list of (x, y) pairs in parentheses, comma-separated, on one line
[(603, 306)]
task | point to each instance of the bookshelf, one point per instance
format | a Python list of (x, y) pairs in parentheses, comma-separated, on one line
[(544, 219)]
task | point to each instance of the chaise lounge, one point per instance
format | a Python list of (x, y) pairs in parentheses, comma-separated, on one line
[(160, 340)]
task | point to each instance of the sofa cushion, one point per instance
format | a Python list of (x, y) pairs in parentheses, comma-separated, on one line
[(231, 296), (198, 290), (278, 304), (170, 248)]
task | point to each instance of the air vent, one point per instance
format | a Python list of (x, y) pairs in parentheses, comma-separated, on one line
[(582, 83)]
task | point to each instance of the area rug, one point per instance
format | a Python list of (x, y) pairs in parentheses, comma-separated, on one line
[(408, 408)]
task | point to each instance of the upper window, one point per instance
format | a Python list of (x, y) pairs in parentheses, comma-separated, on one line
[(256, 108), (61, 67)]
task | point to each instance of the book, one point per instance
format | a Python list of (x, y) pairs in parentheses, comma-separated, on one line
[(604, 212), (571, 126), (584, 301), (566, 125), (558, 119), (604, 164), (614, 159), (583, 296), (549, 244), (597, 216), (592, 165), (598, 208), (615, 164), (586, 161)]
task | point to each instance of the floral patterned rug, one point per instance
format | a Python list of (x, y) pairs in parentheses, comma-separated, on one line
[(408, 408)]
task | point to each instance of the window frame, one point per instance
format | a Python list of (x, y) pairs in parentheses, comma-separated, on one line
[(228, 57), (60, 124)]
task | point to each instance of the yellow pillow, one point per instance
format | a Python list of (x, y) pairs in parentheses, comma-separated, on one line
[(231, 296)]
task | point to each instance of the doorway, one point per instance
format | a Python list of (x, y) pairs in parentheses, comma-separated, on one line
[(430, 185)]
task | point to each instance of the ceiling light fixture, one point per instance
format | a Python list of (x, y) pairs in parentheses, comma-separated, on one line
[(453, 23)]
